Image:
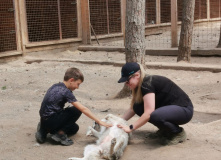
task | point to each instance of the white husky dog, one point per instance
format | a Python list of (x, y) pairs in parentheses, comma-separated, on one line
[(111, 141)]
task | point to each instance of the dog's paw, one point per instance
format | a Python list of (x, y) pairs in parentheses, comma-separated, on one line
[(113, 141), (89, 132)]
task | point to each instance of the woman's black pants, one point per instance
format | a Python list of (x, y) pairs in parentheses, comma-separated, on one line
[(167, 117)]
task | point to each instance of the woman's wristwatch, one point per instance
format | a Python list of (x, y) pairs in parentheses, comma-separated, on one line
[(131, 127)]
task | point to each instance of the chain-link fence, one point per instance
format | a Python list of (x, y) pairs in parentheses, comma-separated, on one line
[(7, 26), (51, 19), (206, 29), (54, 20), (105, 16)]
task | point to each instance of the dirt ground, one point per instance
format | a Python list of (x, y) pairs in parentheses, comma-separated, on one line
[(24, 82)]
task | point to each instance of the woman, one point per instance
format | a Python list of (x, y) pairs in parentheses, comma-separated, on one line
[(157, 100)]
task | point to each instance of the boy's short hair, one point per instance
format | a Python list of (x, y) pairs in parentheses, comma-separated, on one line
[(73, 73)]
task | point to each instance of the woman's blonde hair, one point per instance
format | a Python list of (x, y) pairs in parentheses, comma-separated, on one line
[(137, 96)]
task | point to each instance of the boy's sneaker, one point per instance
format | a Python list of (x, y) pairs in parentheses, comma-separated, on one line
[(41, 134), (62, 138), (174, 139), (158, 134)]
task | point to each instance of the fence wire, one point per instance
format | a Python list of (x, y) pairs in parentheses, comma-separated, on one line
[(51, 19), (7, 26), (206, 31), (105, 16)]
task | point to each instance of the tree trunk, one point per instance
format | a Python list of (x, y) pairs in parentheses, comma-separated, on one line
[(135, 31), (184, 49), (219, 44), (134, 36)]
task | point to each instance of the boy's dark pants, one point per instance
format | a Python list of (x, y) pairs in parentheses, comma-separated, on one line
[(169, 117), (64, 120)]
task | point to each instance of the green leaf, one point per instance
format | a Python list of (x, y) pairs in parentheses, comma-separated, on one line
[(4, 88)]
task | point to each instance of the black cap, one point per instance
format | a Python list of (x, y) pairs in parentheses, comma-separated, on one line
[(127, 70)]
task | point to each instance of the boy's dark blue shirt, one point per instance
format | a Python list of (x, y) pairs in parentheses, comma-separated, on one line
[(55, 99)]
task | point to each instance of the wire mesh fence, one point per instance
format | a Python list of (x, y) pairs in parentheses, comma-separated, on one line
[(206, 29), (105, 16), (7, 26), (98, 16), (69, 20), (51, 19), (150, 12), (114, 12)]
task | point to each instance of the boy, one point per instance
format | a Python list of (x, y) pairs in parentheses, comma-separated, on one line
[(56, 119)]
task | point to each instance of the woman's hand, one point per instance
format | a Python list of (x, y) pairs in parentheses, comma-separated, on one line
[(125, 128), (105, 124)]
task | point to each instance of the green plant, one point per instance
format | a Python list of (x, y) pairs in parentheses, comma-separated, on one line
[(4, 88)]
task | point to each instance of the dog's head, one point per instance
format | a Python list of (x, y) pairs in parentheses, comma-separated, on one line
[(96, 126)]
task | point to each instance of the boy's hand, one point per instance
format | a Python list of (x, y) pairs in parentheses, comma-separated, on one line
[(105, 124)]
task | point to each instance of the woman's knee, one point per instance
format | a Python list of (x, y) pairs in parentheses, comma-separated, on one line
[(155, 118)]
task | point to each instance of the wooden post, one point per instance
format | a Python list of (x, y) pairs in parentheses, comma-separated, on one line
[(79, 18), (158, 13), (23, 24), (108, 23), (123, 16), (174, 42), (85, 19), (59, 19), (208, 9), (17, 25)]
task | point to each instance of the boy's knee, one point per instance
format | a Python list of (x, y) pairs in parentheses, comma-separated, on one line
[(74, 110), (74, 129), (78, 112)]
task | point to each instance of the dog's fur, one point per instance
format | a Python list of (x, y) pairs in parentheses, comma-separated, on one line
[(111, 141)]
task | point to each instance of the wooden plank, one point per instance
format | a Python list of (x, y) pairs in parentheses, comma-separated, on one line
[(62, 46), (123, 16), (79, 18), (59, 19), (154, 52), (152, 65), (208, 9), (17, 25), (158, 20), (9, 54), (85, 19), (23, 24), (174, 40), (46, 43), (101, 48), (184, 66)]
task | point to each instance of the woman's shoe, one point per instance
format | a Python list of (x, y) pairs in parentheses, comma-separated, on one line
[(174, 138)]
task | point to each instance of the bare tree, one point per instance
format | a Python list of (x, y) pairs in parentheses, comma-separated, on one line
[(184, 49), (134, 36)]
